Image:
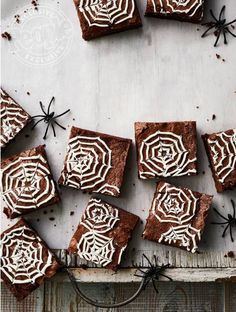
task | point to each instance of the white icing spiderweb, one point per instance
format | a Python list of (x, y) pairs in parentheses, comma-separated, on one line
[(164, 154), (98, 218), (87, 163), (22, 256), (26, 183), (103, 13), (174, 204), (185, 235), (223, 149)]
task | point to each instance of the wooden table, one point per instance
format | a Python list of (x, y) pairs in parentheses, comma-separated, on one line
[(162, 72)]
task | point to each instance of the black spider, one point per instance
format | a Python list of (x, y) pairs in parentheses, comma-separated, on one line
[(49, 118), (220, 26), (230, 221), (152, 273)]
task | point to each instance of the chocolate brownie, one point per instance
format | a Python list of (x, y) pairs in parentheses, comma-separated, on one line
[(177, 216), (103, 234), (221, 152), (25, 260), (166, 149), (27, 183), (105, 17), (183, 10), (95, 162), (13, 118)]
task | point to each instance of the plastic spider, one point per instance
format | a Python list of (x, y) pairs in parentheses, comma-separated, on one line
[(49, 118), (152, 273), (220, 26), (230, 221)]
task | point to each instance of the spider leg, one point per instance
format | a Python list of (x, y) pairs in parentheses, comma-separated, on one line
[(59, 124), (205, 32), (234, 208), (213, 15), (218, 37), (220, 214), (42, 108), (45, 134), (155, 260), (169, 278), (229, 23), (37, 116), (230, 32), (49, 106), (138, 275), (154, 286), (221, 12), (37, 123), (67, 111), (223, 234), (219, 222), (149, 262), (225, 39), (53, 128), (231, 235), (142, 271)]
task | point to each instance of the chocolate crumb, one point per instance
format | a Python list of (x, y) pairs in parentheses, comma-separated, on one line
[(197, 107), (27, 135), (218, 56), (72, 213), (51, 219), (223, 60), (213, 117), (230, 254), (17, 18), (51, 210), (38, 220), (203, 172), (45, 212), (6, 35), (28, 93), (54, 225)]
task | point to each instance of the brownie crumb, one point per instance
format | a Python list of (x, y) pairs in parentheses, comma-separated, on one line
[(72, 213), (45, 212), (203, 172), (17, 18), (223, 60), (38, 220), (218, 56), (230, 254), (28, 93), (213, 117), (27, 135), (197, 107), (51, 210), (51, 219), (54, 225), (35, 4), (6, 35)]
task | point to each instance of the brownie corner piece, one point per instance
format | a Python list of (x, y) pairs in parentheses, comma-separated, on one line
[(106, 17), (103, 234), (221, 152), (27, 182), (25, 260), (166, 149), (95, 162), (177, 216), (13, 118), (183, 10)]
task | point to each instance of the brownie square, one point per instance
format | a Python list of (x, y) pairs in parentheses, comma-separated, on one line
[(104, 17), (27, 182), (177, 216), (13, 118), (221, 152), (95, 162), (103, 234), (25, 260), (183, 10), (166, 149)]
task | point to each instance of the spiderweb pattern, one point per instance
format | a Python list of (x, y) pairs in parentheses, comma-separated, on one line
[(164, 154), (21, 255), (99, 218), (175, 205), (223, 149), (103, 13), (26, 183), (87, 164), (13, 119), (189, 7), (186, 235)]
